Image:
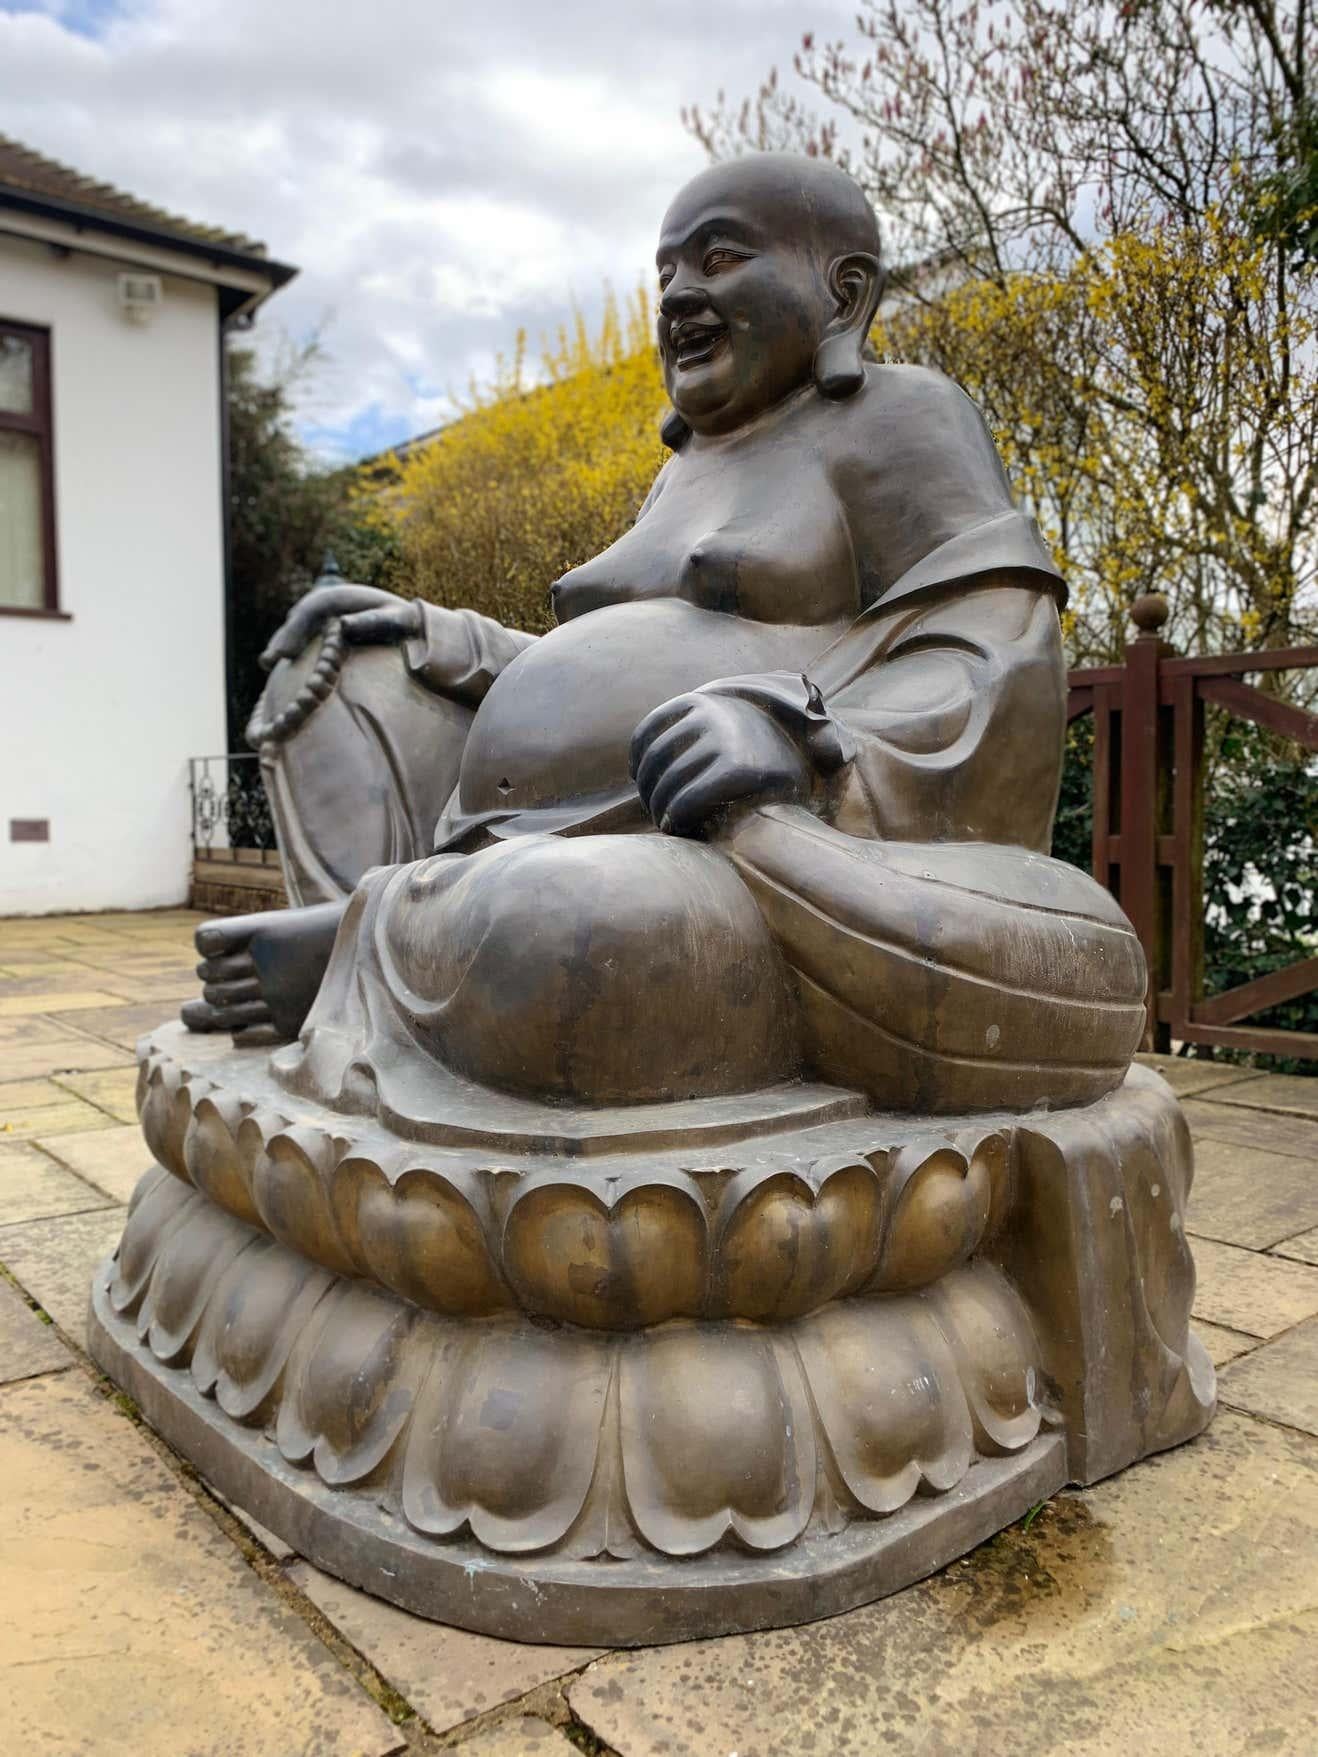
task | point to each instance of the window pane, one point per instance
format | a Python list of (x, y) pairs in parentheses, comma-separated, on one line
[(15, 376), (22, 571)]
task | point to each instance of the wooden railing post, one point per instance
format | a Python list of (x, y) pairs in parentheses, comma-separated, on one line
[(1145, 738)]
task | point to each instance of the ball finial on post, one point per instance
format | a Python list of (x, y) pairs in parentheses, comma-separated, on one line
[(1149, 612)]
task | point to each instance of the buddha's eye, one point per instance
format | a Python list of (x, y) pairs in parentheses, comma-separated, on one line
[(665, 275), (718, 261)]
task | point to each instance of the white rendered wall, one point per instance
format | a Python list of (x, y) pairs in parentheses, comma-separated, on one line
[(99, 714)]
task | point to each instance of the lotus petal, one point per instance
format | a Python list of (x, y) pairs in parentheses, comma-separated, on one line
[(160, 1203), (352, 1382), (786, 1249), (940, 1204), (211, 1157), (506, 1433), (164, 1106), (717, 1436), (996, 1353), (572, 1255), (290, 1176), (419, 1235), (188, 1268), (889, 1399), (259, 1308)]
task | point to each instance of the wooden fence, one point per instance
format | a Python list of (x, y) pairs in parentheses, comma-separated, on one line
[(1148, 844)]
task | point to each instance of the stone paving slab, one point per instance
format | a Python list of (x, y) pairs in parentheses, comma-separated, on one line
[(449, 1675), (1289, 1094), (113, 1159), (1185, 1074), (24, 1122), (523, 1736), (27, 1346), (26, 1028), (112, 1090), (53, 1260), (1245, 1291), (122, 1024), (1173, 1608), (34, 1187), (61, 1055), (1258, 1129), (1243, 1196), (1303, 1249), (56, 1001), (141, 1628), (1223, 1344), (1278, 1380)]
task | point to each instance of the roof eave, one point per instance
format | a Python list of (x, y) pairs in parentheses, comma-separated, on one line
[(219, 256)]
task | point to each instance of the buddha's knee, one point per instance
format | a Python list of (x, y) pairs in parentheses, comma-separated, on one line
[(606, 969)]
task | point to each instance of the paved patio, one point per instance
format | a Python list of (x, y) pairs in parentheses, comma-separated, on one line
[(1173, 1608)]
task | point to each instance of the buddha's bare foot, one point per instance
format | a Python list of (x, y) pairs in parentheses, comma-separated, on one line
[(262, 969)]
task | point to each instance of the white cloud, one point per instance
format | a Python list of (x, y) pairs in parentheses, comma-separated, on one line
[(442, 174)]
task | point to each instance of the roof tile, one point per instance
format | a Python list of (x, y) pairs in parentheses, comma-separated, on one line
[(31, 172)]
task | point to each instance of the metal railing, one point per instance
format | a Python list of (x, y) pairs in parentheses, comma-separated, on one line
[(231, 816)]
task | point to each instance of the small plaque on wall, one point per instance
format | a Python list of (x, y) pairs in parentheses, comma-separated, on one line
[(29, 829)]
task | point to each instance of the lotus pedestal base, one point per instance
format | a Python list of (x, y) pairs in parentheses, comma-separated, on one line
[(748, 1364)]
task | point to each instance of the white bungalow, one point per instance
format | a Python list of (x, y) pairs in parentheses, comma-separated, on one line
[(112, 531)]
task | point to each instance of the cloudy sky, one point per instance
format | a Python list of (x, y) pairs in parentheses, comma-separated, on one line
[(442, 171)]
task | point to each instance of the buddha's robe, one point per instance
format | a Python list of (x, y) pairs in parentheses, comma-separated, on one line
[(901, 930)]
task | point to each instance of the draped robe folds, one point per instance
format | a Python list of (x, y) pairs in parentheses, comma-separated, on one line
[(901, 930)]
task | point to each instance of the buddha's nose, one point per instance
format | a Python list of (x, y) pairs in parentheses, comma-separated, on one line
[(681, 301)]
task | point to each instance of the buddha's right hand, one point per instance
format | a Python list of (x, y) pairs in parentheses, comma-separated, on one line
[(371, 616)]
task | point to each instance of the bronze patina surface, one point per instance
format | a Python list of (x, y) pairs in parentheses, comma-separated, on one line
[(702, 1184)]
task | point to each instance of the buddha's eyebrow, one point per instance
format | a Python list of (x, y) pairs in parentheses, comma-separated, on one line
[(707, 228)]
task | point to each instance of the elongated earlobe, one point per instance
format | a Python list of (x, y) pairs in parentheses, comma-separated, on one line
[(839, 368), (856, 281)]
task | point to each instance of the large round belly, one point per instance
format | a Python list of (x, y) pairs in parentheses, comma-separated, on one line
[(557, 724)]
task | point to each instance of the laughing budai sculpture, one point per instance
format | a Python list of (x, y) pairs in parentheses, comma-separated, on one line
[(703, 1184)]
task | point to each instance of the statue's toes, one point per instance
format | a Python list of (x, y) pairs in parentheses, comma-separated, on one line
[(220, 939), (237, 967), (229, 994), (204, 1015)]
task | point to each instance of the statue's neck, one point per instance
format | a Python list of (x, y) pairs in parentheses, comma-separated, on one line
[(757, 425)]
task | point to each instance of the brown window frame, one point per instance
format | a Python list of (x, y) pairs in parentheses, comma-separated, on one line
[(40, 425)]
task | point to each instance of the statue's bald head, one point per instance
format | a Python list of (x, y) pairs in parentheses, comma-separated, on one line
[(809, 201), (769, 275)]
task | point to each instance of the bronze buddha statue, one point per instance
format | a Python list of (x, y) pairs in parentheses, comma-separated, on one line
[(825, 666), (694, 980)]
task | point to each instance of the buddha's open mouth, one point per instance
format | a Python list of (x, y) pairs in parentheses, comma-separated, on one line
[(694, 343)]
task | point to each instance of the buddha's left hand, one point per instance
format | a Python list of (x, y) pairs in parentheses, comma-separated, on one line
[(700, 754)]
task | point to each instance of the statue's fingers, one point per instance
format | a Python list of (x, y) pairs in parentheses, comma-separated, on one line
[(228, 994), (199, 1015), (676, 778), (719, 785), (663, 750), (377, 627), (655, 723)]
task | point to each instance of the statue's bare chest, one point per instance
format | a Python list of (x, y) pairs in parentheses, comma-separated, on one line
[(758, 534)]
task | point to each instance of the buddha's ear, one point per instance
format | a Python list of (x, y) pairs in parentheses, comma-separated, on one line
[(674, 431), (856, 282)]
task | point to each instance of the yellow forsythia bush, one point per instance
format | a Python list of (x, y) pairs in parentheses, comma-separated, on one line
[(533, 478)]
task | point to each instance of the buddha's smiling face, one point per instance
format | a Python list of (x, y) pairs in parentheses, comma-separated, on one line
[(744, 299)]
